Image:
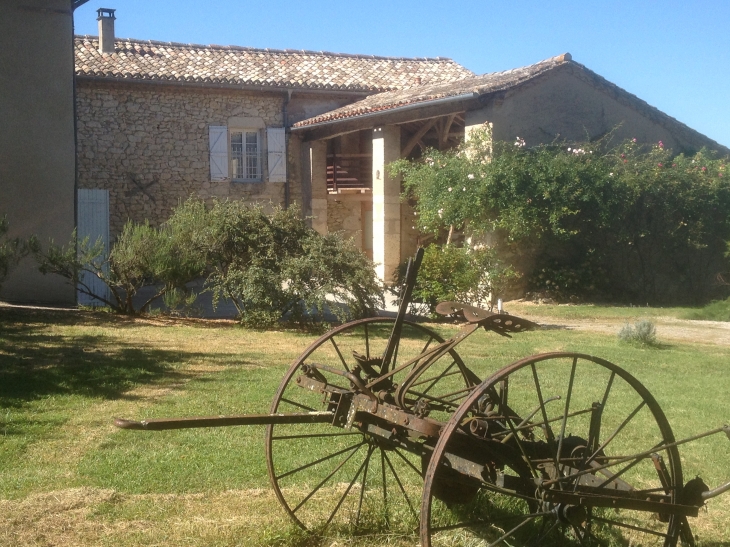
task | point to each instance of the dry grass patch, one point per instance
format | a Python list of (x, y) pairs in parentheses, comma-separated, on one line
[(89, 517)]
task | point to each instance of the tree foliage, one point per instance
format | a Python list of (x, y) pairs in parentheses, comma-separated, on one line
[(628, 222), (274, 266), (270, 266), (142, 256)]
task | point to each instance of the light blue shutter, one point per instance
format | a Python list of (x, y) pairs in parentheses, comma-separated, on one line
[(93, 223), (276, 142), (218, 139)]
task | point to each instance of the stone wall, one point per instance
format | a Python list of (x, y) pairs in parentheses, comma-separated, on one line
[(344, 214), (149, 146)]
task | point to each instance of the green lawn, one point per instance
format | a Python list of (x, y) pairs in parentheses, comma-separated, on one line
[(68, 477)]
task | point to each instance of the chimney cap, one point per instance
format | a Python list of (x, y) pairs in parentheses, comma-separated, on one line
[(105, 13)]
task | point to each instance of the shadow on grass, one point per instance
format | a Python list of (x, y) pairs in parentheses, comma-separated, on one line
[(35, 363)]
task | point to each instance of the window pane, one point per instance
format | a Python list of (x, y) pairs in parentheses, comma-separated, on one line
[(245, 160), (252, 155), (237, 155)]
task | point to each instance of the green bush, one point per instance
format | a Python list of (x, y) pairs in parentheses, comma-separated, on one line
[(141, 256), (652, 225), (718, 310), (272, 266), (642, 332), (460, 274)]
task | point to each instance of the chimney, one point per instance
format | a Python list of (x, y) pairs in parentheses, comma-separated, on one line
[(106, 29)]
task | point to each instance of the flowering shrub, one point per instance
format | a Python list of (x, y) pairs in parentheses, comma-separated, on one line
[(652, 224)]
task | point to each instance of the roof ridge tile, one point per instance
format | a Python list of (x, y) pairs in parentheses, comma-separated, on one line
[(172, 61)]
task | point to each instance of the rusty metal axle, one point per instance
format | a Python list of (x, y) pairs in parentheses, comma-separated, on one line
[(161, 424)]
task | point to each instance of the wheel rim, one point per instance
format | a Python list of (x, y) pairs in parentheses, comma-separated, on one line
[(342, 477), (510, 508)]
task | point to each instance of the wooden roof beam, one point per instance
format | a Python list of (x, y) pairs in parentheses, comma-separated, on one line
[(413, 141), (445, 127)]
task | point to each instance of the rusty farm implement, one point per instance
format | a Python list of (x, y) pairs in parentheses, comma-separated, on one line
[(388, 428)]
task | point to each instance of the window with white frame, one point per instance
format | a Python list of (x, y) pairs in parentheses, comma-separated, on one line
[(237, 154), (245, 155)]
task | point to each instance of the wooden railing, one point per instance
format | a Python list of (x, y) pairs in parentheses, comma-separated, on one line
[(349, 172)]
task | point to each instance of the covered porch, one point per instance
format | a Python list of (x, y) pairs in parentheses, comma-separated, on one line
[(351, 190)]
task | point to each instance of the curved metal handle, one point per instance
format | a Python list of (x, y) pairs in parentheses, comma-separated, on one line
[(129, 424)]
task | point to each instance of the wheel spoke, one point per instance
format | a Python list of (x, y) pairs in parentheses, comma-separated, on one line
[(559, 452), (428, 343), (529, 519), (349, 487), (608, 388), (320, 460), (298, 405), (612, 436), (439, 377), (337, 349), (577, 532), (545, 533), (548, 430), (410, 464), (367, 342), (327, 478), (385, 488), (615, 476), (630, 526), (400, 485), (522, 448), (371, 449), (483, 523)]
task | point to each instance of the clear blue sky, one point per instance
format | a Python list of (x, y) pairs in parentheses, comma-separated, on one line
[(674, 54)]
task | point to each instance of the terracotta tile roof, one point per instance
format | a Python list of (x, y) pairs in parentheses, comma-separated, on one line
[(501, 81), (478, 85), (168, 61)]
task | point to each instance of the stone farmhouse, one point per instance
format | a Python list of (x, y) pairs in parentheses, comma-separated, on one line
[(159, 122)]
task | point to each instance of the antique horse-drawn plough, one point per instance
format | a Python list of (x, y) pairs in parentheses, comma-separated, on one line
[(553, 449)]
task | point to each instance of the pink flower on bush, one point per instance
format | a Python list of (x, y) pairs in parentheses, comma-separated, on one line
[(633, 140), (660, 164), (661, 144), (704, 169)]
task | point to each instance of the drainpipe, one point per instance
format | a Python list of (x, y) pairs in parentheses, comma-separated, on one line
[(285, 116)]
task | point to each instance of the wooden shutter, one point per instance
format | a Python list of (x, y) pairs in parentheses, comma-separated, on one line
[(218, 138), (93, 223), (276, 142)]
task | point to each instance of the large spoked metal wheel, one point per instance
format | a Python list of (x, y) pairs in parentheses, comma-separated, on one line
[(557, 438), (339, 477)]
